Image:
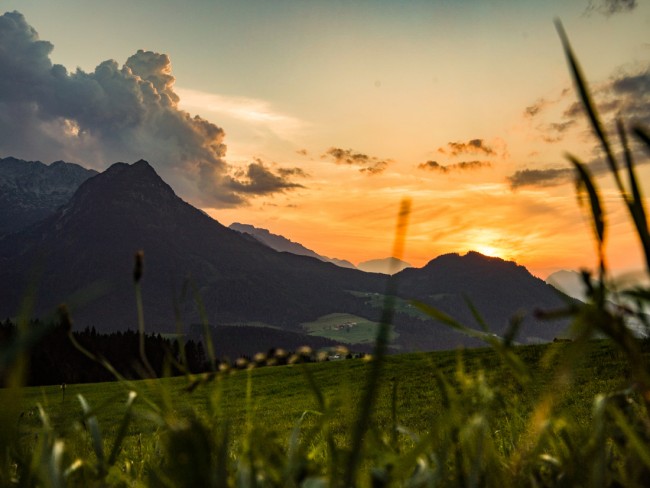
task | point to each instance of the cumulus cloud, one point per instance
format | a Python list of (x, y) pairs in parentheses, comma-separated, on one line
[(367, 164), (462, 166), (473, 146), (258, 179), (115, 113)]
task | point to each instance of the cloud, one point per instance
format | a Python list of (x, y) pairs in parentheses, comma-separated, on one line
[(540, 177), (557, 176), (367, 164), (258, 179), (611, 7), (115, 113), (536, 108), (473, 146), (625, 95), (462, 166), (252, 111)]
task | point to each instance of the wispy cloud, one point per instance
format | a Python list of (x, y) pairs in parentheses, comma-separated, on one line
[(473, 146), (462, 166), (540, 177), (370, 165), (250, 110)]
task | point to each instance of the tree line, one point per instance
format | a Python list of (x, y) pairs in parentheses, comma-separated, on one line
[(54, 359)]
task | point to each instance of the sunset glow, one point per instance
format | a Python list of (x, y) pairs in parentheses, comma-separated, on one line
[(313, 120)]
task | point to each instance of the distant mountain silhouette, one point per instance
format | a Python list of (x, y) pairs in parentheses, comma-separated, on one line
[(282, 244), (498, 289), (569, 282), (385, 266), (82, 254), (31, 190)]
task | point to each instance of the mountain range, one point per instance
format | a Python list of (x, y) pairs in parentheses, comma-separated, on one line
[(31, 190), (82, 254)]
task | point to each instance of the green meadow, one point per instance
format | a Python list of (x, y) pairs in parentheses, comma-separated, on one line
[(261, 414)]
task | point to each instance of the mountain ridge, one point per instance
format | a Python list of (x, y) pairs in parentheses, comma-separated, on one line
[(283, 244)]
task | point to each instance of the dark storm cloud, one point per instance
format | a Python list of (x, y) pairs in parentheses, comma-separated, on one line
[(611, 7), (258, 179), (115, 113), (367, 164), (473, 146), (462, 166)]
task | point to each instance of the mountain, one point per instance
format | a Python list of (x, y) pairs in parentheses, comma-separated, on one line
[(31, 190), (282, 244), (87, 247), (498, 289), (569, 282), (82, 254), (385, 266)]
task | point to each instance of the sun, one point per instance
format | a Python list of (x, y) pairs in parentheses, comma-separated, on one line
[(488, 250), (489, 242)]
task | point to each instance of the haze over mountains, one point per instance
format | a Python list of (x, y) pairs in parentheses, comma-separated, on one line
[(282, 244), (82, 253)]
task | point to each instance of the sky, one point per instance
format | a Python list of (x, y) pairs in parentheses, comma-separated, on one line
[(314, 119)]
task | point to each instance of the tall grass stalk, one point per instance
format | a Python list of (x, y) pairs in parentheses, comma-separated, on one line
[(381, 345)]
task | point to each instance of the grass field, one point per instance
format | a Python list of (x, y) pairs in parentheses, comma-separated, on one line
[(281, 394), (272, 401)]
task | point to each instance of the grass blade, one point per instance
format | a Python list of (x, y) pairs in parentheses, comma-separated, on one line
[(635, 204), (381, 345), (95, 434), (598, 217), (124, 425), (588, 105)]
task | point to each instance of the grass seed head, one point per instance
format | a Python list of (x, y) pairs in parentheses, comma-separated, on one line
[(305, 351), (322, 356)]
